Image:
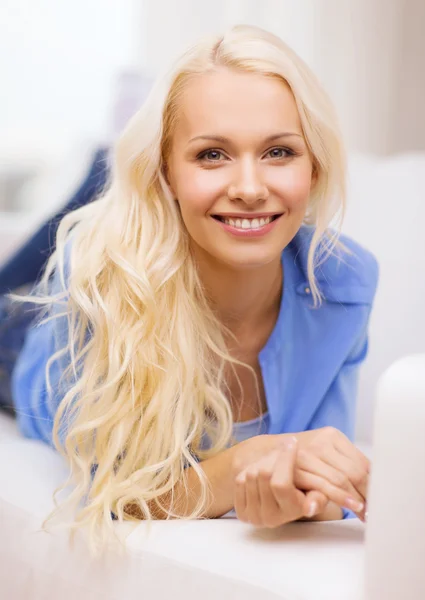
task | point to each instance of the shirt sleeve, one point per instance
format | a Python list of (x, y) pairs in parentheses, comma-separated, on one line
[(35, 405), (338, 407)]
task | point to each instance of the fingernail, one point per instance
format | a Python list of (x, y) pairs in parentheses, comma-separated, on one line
[(313, 509), (354, 505), (366, 516)]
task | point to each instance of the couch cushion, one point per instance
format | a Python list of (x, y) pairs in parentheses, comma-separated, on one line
[(185, 560)]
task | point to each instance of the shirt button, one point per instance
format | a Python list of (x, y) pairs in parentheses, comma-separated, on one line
[(307, 290)]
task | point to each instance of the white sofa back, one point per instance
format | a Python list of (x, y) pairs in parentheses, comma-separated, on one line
[(386, 213)]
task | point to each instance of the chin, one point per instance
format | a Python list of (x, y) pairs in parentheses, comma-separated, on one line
[(250, 259)]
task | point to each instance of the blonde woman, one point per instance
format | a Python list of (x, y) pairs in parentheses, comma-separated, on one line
[(205, 324)]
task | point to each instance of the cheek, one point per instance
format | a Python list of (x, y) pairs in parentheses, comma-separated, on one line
[(293, 185), (198, 190)]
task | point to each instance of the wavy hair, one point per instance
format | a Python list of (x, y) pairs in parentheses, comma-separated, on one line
[(147, 355)]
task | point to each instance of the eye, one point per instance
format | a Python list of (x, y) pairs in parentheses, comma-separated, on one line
[(280, 152), (210, 155)]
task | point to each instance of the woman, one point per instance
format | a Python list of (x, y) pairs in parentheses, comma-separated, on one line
[(206, 325)]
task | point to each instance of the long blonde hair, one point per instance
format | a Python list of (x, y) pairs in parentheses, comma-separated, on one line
[(146, 373)]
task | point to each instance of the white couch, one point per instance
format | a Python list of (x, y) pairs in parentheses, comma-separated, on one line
[(225, 558)]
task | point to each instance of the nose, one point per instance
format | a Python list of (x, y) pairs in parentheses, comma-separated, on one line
[(247, 184)]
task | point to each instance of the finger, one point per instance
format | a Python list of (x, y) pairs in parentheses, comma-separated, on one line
[(254, 502), (307, 481), (333, 444), (364, 514), (288, 497), (253, 506), (314, 504), (336, 476), (270, 512), (240, 497), (354, 471), (350, 450)]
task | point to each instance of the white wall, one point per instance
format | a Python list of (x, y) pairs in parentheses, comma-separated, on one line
[(59, 62), (370, 55), (410, 83)]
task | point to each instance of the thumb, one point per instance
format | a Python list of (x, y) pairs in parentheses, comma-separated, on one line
[(314, 503)]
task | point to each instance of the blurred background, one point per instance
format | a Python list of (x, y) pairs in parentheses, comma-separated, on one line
[(69, 70), (72, 74)]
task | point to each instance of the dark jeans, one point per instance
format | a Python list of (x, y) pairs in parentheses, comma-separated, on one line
[(15, 319), (23, 269)]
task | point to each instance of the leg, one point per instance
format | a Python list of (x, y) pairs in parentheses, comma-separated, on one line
[(15, 320), (27, 263), (23, 269)]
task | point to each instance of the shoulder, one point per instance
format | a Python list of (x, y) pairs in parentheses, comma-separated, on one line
[(348, 274)]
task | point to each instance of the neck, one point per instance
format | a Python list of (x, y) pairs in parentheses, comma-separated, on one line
[(244, 299)]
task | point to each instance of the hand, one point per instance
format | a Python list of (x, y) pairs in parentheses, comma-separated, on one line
[(327, 461), (266, 494)]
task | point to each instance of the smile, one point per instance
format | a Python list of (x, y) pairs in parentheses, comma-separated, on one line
[(255, 223), (247, 226)]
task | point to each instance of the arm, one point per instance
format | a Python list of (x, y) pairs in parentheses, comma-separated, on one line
[(338, 409), (34, 405), (221, 471)]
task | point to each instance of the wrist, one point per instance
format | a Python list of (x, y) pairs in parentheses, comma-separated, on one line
[(252, 449)]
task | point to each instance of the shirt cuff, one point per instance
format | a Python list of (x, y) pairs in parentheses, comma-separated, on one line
[(348, 514)]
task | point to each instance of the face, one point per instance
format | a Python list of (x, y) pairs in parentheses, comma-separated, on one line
[(239, 167)]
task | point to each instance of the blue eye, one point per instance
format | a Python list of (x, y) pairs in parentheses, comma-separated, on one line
[(216, 156), (277, 152), (210, 155)]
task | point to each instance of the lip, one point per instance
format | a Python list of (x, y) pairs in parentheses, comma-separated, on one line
[(247, 215), (249, 233)]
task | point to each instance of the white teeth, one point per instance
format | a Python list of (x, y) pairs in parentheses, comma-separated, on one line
[(248, 223)]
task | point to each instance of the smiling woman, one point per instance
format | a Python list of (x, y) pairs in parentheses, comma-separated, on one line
[(205, 325)]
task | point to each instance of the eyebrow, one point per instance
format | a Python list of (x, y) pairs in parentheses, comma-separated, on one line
[(224, 140)]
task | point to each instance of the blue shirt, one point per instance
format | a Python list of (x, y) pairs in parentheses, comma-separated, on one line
[(310, 363)]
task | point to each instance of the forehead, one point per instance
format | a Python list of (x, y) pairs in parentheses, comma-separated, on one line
[(227, 101)]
